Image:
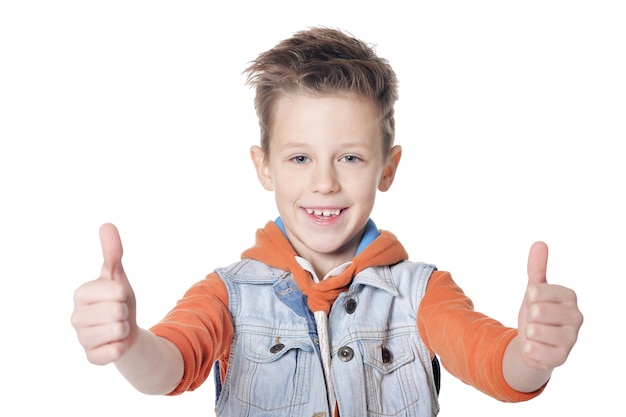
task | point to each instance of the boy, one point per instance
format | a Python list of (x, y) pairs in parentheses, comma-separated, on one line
[(325, 315)]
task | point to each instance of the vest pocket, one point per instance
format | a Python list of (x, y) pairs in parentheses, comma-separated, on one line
[(390, 382), (274, 371)]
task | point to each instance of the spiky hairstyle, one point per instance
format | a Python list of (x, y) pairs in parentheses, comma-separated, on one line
[(323, 61)]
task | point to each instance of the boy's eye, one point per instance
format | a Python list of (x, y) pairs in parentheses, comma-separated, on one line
[(351, 158), (300, 159)]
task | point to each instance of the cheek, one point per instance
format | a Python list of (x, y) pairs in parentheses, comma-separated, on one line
[(363, 190), (285, 191), (364, 182)]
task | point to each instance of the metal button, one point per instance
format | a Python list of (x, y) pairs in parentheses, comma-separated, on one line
[(277, 348), (386, 355), (345, 354), (350, 306)]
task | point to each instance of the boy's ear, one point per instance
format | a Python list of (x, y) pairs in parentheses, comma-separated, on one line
[(261, 165), (390, 168)]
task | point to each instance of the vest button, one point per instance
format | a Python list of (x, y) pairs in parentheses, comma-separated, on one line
[(277, 348), (386, 355), (351, 306), (345, 354)]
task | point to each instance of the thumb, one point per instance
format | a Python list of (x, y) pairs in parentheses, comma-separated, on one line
[(537, 263), (111, 251)]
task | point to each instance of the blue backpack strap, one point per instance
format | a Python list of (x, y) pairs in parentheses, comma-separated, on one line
[(218, 380), (437, 373)]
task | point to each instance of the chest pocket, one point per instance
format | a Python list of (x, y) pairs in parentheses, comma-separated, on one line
[(390, 374), (273, 371)]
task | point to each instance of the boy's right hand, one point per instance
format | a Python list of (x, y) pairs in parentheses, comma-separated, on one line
[(104, 313)]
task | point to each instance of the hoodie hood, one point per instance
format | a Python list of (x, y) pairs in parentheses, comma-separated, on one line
[(273, 249)]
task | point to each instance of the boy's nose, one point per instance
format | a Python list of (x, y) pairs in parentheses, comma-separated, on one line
[(324, 179)]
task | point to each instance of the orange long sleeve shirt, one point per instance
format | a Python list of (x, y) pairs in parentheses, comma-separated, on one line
[(469, 344)]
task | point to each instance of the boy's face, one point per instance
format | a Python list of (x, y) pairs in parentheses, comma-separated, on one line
[(325, 167)]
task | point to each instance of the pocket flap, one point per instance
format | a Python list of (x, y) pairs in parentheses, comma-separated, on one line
[(389, 354), (264, 348)]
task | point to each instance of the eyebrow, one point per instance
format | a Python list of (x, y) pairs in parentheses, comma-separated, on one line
[(290, 145), (299, 145)]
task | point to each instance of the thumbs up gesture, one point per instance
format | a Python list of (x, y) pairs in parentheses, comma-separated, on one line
[(549, 319), (104, 315)]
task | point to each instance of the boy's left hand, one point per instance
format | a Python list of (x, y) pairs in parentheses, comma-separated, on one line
[(549, 319)]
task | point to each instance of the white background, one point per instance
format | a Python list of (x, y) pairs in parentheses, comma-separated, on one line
[(511, 116)]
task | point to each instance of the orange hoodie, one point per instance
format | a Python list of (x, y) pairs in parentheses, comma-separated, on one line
[(470, 345)]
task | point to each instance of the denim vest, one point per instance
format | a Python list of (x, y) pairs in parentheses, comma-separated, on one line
[(379, 364)]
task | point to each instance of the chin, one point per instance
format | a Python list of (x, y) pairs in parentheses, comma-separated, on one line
[(328, 249)]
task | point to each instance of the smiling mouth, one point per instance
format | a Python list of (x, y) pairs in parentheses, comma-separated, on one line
[(324, 212)]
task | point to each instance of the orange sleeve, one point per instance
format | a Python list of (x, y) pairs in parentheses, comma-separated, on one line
[(469, 344), (200, 326)]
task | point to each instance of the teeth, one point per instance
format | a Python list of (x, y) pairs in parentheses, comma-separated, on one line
[(325, 213)]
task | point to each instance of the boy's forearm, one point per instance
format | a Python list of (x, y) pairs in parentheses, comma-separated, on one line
[(153, 365), (518, 374)]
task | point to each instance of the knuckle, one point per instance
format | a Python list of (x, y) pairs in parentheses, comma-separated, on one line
[(74, 321), (119, 330), (120, 311)]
